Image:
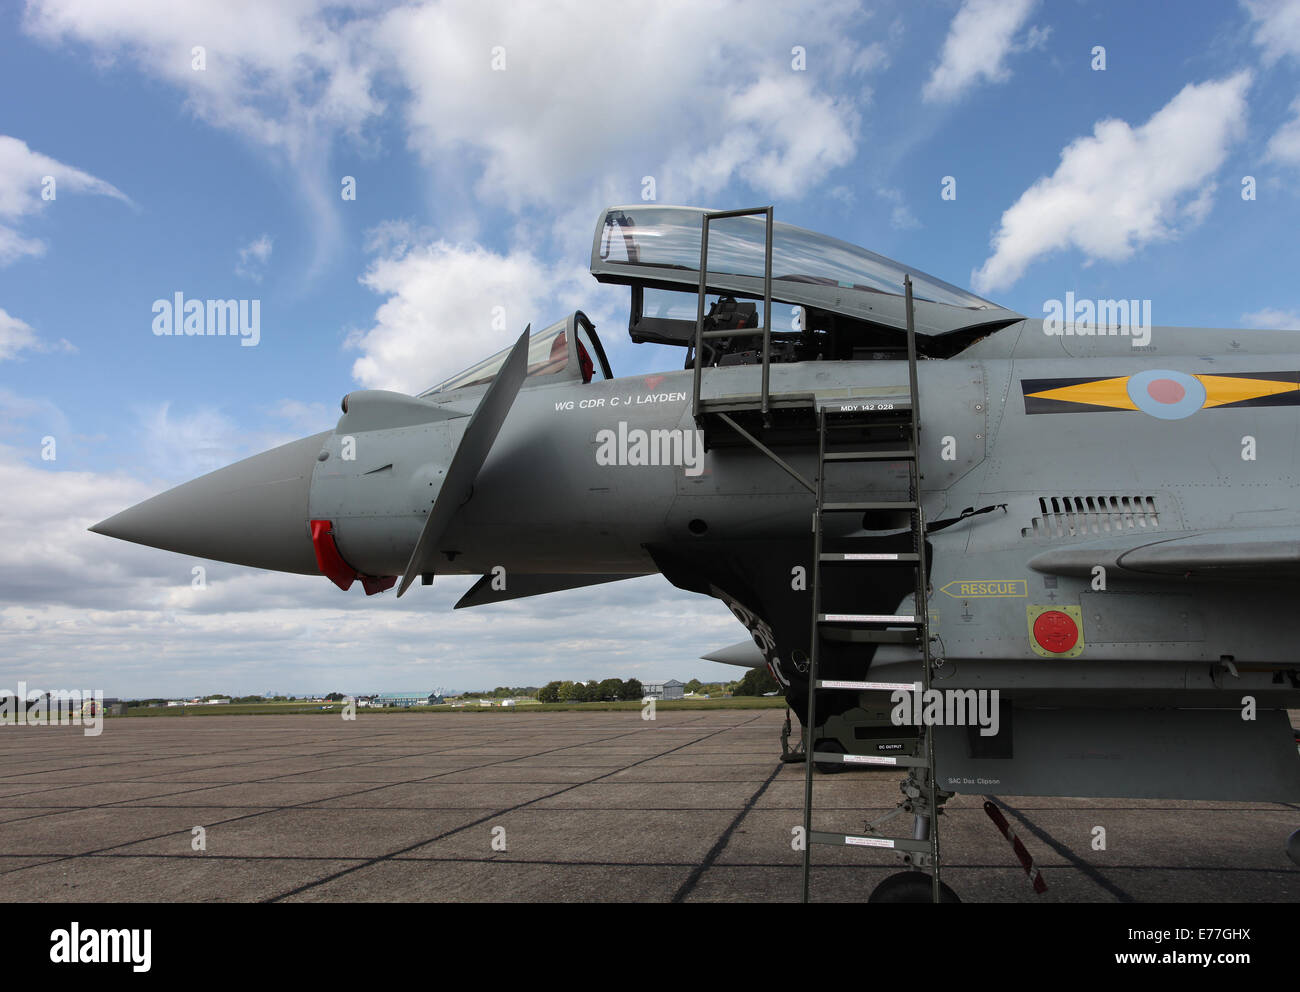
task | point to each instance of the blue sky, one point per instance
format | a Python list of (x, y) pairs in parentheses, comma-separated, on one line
[(479, 187)]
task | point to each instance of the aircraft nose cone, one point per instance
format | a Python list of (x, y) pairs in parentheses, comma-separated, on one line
[(253, 512)]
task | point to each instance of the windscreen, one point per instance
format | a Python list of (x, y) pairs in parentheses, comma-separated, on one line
[(548, 353)]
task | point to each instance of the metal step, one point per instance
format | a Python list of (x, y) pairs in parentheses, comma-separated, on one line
[(900, 455), (892, 761), (872, 636), (870, 557), (855, 840), (871, 505), (894, 618), (867, 686)]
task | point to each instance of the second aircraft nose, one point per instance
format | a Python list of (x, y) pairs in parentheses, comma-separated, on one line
[(253, 512)]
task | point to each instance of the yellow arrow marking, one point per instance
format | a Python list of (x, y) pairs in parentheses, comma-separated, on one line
[(1107, 392), (1221, 389)]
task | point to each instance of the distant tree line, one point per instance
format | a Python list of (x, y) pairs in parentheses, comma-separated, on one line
[(504, 692), (607, 690), (757, 682)]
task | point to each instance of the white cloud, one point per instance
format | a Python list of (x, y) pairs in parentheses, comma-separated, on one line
[(277, 73), (979, 39), (1277, 27), (17, 335), (440, 311), (1284, 146), (253, 258), (1123, 187), (1271, 318), (592, 93), (23, 175), (567, 102)]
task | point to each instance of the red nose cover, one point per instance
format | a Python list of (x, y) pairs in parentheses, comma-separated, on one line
[(328, 559), (331, 563)]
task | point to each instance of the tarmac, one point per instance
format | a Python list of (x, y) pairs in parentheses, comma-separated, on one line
[(506, 807)]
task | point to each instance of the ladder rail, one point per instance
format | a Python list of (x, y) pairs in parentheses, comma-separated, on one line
[(813, 654), (921, 596), (701, 335)]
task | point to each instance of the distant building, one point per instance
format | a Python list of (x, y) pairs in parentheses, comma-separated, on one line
[(672, 689), (406, 699)]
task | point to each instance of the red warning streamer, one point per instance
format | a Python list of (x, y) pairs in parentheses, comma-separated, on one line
[(1026, 861)]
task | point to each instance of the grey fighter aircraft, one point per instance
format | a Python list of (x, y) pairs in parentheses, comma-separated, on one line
[(1006, 555)]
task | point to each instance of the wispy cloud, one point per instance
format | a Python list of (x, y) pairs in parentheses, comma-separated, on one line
[(980, 37), (1272, 319), (253, 258), (17, 335), (31, 182)]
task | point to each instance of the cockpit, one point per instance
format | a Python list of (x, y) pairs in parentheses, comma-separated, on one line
[(831, 300), (568, 350)]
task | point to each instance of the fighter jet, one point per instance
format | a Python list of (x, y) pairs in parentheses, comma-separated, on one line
[(1007, 555)]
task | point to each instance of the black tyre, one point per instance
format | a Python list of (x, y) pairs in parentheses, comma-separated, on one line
[(910, 886), (834, 747)]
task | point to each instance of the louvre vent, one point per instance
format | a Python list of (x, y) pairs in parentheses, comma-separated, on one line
[(1080, 516)]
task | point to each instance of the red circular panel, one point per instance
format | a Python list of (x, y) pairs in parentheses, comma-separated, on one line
[(1166, 391), (1056, 631)]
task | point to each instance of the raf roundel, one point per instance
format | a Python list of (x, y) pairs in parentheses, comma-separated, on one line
[(1165, 394)]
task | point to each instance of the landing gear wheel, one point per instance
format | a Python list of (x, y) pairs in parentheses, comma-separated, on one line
[(832, 746), (910, 886)]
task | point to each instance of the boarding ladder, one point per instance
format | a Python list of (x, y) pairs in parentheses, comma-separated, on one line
[(921, 849), (846, 432)]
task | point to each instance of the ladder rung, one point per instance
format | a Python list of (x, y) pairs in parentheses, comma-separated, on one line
[(873, 505), (894, 618), (872, 636), (870, 456), (900, 761), (854, 840), (868, 686), (871, 557)]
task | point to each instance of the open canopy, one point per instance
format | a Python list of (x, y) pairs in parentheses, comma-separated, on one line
[(658, 247)]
